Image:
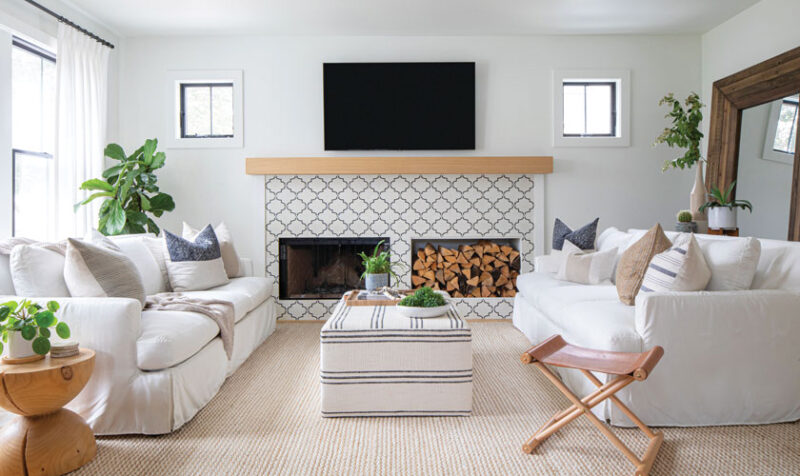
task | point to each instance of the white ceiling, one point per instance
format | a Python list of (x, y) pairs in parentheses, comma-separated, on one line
[(410, 17)]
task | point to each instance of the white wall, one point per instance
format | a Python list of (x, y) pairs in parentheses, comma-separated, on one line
[(766, 184), (283, 117)]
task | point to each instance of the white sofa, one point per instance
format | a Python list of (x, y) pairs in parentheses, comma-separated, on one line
[(731, 357), (156, 369)]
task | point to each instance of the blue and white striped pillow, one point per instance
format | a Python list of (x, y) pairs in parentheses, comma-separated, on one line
[(680, 268)]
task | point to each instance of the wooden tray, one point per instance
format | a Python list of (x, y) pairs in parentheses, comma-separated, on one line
[(350, 299)]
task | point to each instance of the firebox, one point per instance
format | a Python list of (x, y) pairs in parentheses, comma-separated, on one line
[(322, 268)]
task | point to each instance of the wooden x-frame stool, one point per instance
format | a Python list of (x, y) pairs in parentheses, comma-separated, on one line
[(626, 366)]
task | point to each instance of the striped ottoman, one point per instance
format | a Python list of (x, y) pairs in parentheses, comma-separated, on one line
[(375, 362)]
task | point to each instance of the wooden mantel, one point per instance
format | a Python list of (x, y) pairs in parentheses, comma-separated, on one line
[(467, 165)]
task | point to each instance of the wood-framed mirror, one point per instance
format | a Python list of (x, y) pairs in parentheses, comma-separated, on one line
[(745, 107)]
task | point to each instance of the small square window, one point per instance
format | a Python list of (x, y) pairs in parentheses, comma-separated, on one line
[(206, 110), (590, 109), (786, 128)]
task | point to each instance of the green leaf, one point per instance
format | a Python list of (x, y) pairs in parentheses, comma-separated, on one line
[(41, 345), (116, 218), (62, 329), (44, 332), (144, 201), (45, 319), (52, 306), (163, 202), (92, 197), (152, 227), (11, 305), (114, 151), (96, 184), (28, 332), (112, 171), (147, 152), (4, 312), (158, 160)]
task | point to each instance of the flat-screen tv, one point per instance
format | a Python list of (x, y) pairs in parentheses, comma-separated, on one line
[(399, 106)]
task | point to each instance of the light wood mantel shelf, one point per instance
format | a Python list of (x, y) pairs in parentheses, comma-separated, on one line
[(467, 165)]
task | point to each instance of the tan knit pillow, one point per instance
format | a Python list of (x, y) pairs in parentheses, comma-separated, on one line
[(634, 261)]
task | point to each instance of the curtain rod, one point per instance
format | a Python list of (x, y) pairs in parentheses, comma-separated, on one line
[(63, 19)]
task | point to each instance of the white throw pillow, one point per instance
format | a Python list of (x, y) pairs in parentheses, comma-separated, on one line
[(136, 249), (194, 265), (229, 257), (733, 262), (680, 268), (38, 271), (586, 267)]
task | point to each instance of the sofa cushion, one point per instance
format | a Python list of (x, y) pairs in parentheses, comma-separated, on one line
[(38, 271), (245, 293), (169, 337), (550, 295), (135, 247), (733, 263)]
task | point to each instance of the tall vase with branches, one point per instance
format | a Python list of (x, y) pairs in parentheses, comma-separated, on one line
[(684, 133)]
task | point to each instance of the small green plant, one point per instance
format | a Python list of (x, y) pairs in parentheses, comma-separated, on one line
[(684, 216), (33, 322), (718, 198), (130, 191), (423, 297), (379, 262), (685, 130)]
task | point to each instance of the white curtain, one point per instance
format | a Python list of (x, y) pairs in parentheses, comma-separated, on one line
[(81, 108)]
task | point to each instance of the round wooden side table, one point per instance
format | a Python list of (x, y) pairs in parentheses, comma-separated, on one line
[(45, 439)]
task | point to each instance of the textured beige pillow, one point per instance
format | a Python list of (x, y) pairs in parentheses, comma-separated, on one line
[(229, 257), (634, 261), (92, 270)]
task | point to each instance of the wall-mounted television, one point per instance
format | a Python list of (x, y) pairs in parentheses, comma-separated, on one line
[(399, 106)]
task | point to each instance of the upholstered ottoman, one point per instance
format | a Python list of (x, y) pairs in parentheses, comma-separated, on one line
[(376, 362)]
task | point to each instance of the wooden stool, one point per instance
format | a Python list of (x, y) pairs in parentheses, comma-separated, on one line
[(627, 366)]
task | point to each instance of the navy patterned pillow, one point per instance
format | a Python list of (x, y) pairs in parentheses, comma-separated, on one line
[(205, 246), (583, 237)]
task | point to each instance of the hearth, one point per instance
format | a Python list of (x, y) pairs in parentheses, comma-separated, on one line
[(322, 268)]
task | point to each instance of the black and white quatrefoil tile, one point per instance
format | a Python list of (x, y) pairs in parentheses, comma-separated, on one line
[(402, 207)]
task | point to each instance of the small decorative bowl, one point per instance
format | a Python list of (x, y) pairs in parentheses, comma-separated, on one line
[(426, 312)]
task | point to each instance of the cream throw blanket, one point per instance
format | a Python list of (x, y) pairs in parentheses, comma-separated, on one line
[(221, 312)]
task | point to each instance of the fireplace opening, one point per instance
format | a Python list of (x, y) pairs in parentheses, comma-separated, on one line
[(322, 268)]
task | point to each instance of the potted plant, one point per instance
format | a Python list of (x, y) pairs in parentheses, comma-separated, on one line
[(722, 208), (424, 303), (25, 326), (377, 268), (685, 133), (685, 223), (130, 191)]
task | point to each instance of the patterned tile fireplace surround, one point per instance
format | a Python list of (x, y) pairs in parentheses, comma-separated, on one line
[(401, 207)]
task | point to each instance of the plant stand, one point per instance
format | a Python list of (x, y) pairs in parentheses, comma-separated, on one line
[(45, 439), (723, 232)]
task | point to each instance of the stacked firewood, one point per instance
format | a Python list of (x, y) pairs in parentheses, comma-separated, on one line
[(485, 269)]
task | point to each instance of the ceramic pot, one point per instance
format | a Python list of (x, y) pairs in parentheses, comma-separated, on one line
[(18, 347), (698, 196), (686, 227), (723, 218), (375, 281)]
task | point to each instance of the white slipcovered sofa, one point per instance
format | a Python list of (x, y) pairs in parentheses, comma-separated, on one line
[(731, 357), (155, 370)]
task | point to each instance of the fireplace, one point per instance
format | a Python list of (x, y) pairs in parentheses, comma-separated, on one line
[(322, 268)]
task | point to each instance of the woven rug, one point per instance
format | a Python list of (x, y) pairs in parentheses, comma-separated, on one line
[(265, 420)]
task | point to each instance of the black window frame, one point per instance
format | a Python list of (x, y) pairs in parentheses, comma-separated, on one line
[(211, 86), (793, 133), (613, 85), (47, 56)]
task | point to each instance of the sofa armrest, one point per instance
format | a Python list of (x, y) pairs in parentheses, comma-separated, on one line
[(245, 267)]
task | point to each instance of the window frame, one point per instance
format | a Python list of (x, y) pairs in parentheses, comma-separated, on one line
[(175, 137), (46, 56), (614, 85), (210, 86), (620, 111), (769, 153)]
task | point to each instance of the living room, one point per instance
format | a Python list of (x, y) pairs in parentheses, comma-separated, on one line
[(194, 190)]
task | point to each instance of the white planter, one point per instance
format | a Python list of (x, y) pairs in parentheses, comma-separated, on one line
[(375, 281), (722, 218), (19, 348)]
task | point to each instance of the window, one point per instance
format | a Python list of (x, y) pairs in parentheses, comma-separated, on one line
[(33, 105), (206, 110), (786, 129), (591, 108)]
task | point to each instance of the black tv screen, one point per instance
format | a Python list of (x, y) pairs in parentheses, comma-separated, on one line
[(399, 106)]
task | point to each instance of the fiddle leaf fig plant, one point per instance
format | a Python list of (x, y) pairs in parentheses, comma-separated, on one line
[(33, 322), (129, 191), (684, 132)]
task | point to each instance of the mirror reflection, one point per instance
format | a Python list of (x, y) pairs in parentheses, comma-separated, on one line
[(766, 158)]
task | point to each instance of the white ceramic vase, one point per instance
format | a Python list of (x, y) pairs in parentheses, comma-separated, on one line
[(723, 218), (18, 347), (698, 196), (375, 281)]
